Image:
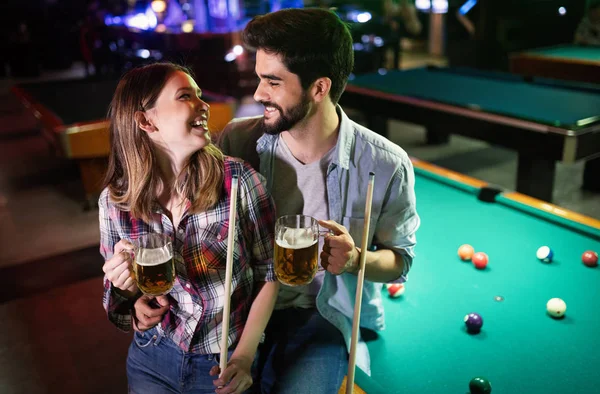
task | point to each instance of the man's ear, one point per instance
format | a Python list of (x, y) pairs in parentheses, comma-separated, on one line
[(320, 89), (144, 123)]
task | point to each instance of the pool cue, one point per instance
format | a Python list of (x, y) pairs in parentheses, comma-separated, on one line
[(359, 286), (228, 269)]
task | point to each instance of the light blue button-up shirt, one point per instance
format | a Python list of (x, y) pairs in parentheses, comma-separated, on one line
[(394, 218)]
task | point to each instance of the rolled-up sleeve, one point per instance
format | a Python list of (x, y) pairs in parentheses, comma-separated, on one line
[(259, 210), (116, 306), (399, 220)]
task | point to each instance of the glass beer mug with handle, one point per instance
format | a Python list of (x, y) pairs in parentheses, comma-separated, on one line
[(153, 264), (296, 249)]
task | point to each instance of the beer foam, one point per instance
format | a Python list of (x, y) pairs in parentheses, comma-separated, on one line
[(297, 238), (151, 257)]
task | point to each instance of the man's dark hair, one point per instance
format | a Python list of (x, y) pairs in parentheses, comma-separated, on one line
[(312, 42)]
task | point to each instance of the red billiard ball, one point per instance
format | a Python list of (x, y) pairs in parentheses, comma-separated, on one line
[(479, 260), (590, 258), (395, 289)]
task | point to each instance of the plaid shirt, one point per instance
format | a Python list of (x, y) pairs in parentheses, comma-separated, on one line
[(194, 318)]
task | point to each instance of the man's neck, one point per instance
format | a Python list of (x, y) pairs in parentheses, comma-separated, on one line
[(311, 139)]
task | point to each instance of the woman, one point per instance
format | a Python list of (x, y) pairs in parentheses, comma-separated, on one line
[(165, 176)]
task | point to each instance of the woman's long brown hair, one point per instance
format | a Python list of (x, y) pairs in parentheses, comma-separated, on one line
[(133, 176)]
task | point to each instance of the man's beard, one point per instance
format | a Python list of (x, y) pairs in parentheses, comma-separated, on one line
[(288, 120)]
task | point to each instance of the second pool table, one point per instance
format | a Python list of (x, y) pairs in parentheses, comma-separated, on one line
[(425, 347), (569, 62), (544, 122)]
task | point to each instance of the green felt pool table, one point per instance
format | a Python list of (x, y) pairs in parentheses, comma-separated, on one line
[(425, 347), (570, 62), (545, 121)]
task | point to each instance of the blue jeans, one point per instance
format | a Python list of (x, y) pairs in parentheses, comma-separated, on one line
[(155, 365), (302, 353)]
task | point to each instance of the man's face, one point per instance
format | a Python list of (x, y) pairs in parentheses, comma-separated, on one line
[(280, 91)]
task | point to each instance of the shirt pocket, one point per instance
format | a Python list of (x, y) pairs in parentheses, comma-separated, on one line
[(356, 227), (207, 246)]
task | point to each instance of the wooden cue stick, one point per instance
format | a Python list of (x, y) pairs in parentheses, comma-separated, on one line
[(228, 269), (359, 287)]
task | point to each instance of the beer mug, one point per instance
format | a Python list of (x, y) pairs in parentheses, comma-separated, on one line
[(296, 249), (153, 265)]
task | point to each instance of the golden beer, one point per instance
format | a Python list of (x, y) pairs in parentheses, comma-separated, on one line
[(155, 278), (296, 265), (296, 257), (153, 264)]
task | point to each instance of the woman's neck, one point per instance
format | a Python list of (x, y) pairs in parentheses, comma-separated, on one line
[(170, 168)]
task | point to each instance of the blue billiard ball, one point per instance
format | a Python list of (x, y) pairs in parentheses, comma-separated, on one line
[(545, 254), (473, 321)]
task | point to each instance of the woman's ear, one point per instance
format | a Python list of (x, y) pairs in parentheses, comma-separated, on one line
[(144, 123)]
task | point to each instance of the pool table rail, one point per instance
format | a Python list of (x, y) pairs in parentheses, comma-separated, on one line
[(531, 205), (555, 213), (456, 179)]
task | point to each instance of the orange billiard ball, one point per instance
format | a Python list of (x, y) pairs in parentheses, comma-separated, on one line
[(590, 258), (465, 252), (479, 260)]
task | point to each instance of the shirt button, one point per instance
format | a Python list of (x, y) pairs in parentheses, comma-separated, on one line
[(219, 236), (180, 231), (188, 285)]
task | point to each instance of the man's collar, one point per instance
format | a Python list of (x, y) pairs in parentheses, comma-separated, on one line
[(343, 146)]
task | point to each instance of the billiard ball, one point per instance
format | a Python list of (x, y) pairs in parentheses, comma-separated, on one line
[(474, 322), (465, 252), (545, 254), (556, 307), (480, 385), (479, 260), (590, 258), (395, 289)]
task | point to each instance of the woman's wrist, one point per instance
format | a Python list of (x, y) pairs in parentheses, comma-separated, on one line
[(129, 294)]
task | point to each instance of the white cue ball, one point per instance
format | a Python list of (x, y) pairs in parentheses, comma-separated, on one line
[(556, 307)]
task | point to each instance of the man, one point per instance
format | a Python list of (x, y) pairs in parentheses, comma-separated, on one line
[(317, 163), (399, 17), (588, 31)]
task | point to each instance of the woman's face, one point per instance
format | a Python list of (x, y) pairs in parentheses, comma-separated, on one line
[(180, 116)]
